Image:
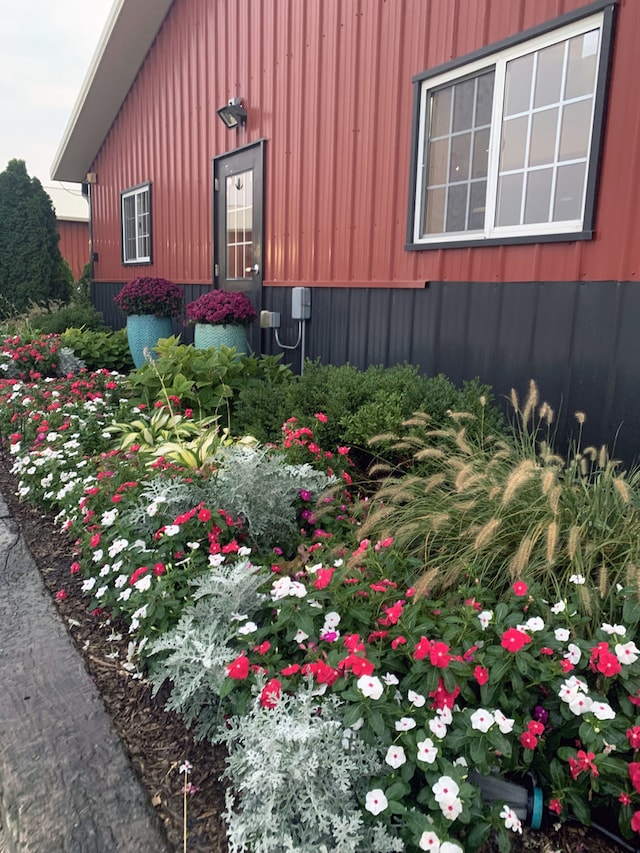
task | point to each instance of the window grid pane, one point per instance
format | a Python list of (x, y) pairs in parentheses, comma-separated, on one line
[(457, 155)]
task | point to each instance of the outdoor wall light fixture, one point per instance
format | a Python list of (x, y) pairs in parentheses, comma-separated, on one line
[(233, 114)]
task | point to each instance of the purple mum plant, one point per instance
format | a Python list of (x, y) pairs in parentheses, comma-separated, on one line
[(221, 308), (150, 295)]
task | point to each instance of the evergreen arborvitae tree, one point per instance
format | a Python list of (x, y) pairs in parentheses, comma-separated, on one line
[(31, 266)]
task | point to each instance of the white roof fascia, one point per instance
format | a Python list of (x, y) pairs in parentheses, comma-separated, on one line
[(128, 34)]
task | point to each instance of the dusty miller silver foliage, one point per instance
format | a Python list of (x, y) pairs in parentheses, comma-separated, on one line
[(193, 655), (293, 781)]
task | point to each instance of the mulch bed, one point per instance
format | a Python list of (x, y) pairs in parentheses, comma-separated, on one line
[(158, 742)]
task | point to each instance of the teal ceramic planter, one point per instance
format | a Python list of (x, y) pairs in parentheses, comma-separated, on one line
[(143, 332), (206, 335)]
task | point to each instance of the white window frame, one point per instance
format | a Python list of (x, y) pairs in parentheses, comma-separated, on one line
[(141, 218), (496, 60)]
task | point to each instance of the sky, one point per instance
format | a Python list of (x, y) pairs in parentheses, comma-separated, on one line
[(46, 47)]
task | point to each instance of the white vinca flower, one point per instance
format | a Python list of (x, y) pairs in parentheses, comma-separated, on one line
[(143, 584), (505, 724), (451, 809), (370, 686), (395, 757), (511, 819), (416, 699), (559, 607), (390, 679), (375, 801), (438, 728), (482, 720), (427, 751), (248, 628), (581, 704), (300, 636), (535, 623), (603, 711), (445, 788), (573, 654), (404, 724), (620, 630), (332, 619), (561, 635), (485, 618), (579, 580), (627, 652)]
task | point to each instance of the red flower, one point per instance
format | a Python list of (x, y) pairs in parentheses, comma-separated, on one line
[(634, 774), (633, 736), (263, 648), (239, 668), (138, 574), (555, 806), (535, 727), (481, 674), (290, 670), (422, 648), (95, 540), (442, 698), (159, 569), (439, 655), (624, 798), (353, 643), (74, 568), (323, 578), (358, 665), (321, 417), (399, 641), (393, 613), (204, 514), (271, 693), (635, 822), (61, 595), (513, 640), (528, 740), (520, 588), (604, 661), (322, 672)]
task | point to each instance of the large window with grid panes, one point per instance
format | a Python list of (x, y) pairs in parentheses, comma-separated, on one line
[(508, 141)]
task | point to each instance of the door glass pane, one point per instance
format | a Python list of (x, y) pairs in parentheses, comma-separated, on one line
[(239, 225), (542, 147), (518, 85), (576, 130), (569, 192), (549, 75), (514, 142), (583, 61), (538, 196), (509, 199)]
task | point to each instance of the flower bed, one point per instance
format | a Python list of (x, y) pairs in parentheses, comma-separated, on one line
[(319, 650)]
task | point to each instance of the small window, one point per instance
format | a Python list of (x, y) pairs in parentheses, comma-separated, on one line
[(136, 225), (508, 141)]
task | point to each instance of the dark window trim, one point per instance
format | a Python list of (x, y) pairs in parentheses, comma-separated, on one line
[(144, 185), (607, 7)]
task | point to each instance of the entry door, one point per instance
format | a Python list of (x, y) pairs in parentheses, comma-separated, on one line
[(237, 217)]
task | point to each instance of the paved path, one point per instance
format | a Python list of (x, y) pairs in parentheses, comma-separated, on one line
[(66, 784)]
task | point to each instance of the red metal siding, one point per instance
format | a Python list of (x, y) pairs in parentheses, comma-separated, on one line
[(328, 85), (74, 244)]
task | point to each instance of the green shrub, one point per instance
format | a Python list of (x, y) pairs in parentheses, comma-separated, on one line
[(100, 350), (204, 380), (358, 404), (71, 316)]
